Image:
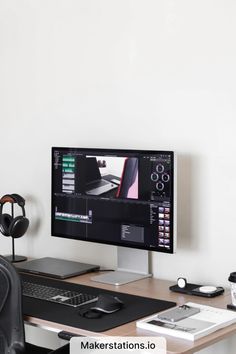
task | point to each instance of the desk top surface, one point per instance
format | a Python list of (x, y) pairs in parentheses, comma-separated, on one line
[(153, 288)]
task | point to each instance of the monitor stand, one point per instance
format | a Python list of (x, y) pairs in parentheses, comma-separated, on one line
[(133, 264)]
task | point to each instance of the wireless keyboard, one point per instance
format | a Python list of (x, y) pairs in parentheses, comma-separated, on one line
[(60, 296)]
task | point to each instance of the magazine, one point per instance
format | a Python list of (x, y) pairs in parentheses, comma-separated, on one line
[(207, 320)]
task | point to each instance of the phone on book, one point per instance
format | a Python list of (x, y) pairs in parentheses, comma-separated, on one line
[(178, 313)]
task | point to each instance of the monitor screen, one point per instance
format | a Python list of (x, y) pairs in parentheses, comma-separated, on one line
[(116, 197)]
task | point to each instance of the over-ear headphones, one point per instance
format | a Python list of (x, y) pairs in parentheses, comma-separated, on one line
[(10, 225)]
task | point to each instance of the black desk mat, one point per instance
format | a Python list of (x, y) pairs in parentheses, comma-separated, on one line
[(135, 307)]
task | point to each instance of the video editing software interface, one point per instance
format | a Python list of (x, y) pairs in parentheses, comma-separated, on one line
[(117, 197)]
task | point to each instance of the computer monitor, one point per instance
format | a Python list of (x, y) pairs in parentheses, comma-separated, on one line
[(116, 197)]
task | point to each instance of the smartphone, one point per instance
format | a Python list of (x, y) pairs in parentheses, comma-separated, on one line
[(178, 313)]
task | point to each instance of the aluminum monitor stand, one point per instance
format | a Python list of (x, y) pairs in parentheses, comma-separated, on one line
[(133, 265)]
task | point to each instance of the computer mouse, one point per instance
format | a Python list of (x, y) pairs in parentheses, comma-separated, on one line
[(107, 303)]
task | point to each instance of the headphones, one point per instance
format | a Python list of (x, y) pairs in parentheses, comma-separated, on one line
[(9, 225)]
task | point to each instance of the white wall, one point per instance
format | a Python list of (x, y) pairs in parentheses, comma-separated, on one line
[(143, 74)]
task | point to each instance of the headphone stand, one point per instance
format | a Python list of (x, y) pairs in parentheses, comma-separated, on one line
[(14, 258)]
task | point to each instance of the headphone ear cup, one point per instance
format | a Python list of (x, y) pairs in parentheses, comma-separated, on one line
[(5, 223), (18, 227)]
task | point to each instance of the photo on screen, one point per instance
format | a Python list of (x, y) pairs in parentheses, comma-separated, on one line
[(112, 176)]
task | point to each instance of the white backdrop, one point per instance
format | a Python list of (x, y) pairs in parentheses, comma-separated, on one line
[(142, 74)]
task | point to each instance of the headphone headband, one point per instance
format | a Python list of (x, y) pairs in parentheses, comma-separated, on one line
[(7, 199), (18, 198), (12, 198)]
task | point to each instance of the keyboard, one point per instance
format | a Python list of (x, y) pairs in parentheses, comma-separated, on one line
[(60, 296)]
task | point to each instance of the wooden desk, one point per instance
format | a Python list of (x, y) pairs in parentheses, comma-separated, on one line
[(153, 288)]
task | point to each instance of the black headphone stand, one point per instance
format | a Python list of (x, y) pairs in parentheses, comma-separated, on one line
[(13, 258)]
